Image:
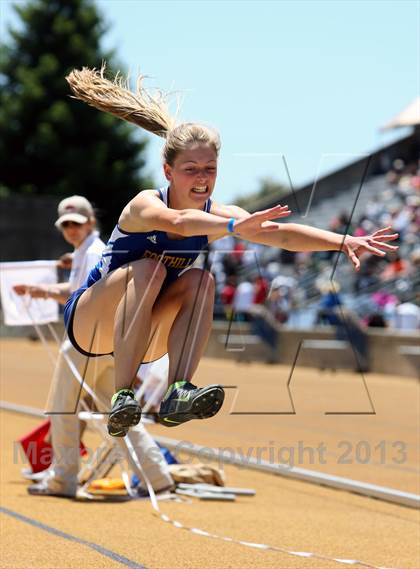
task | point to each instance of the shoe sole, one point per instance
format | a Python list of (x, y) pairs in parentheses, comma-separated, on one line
[(203, 406), (116, 431), (36, 477), (50, 493), (124, 417)]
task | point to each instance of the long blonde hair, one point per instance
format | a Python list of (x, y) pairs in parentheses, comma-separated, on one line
[(149, 111)]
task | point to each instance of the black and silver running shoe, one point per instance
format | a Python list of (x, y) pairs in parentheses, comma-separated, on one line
[(125, 413), (184, 401)]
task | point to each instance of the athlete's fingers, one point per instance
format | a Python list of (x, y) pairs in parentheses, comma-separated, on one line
[(387, 237), (272, 211), (383, 230), (382, 245), (353, 258), (284, 213), (276, 214), (280, 212), (373, 250)]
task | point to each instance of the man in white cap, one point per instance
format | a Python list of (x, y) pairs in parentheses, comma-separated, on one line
[(77, 223), (74, 208)]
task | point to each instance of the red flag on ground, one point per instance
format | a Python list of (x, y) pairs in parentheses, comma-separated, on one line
[(38, 450)]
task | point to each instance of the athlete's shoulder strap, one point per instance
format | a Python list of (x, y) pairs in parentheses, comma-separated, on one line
[(163, 194), (207, 206)]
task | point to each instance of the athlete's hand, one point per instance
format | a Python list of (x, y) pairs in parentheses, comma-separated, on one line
[(260, 221), (376, 244)]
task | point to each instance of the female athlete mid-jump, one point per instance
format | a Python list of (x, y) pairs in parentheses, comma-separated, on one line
[(143, 300)]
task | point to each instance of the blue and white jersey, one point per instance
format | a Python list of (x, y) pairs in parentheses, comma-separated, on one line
[(123, 248)]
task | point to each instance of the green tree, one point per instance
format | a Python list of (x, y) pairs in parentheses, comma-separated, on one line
[(52, 144)]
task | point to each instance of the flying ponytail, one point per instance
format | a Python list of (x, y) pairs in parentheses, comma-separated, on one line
[(145, 110), (141, 108)]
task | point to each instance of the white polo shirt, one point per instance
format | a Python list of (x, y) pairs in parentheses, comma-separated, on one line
[(85, 258)]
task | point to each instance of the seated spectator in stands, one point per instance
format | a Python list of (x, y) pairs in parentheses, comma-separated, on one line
[(283, 281), (394, 175), (360, 231), (341, 223), (243, 300), (382, 298), (231, 263), (415, 181), (407, 315), (228, 294), (364, 227), (405, 184), (302, 262), (414, 261), (397, 267), (287, 257), (273, 269), (238, 251), (329, 301), (376, 320), (279, 302), (368, 275), (401, 219), (261, 288)]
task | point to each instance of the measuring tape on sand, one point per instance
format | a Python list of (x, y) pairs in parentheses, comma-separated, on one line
[(260, 546)]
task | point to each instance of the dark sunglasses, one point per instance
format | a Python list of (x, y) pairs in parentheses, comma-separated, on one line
[(67, 224)]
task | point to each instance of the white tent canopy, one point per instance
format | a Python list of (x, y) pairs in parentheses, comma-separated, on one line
[(410, 116)]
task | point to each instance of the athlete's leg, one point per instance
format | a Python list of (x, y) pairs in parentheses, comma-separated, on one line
[(182, 317), (133, 320), (147, 452), (181, 323), (114, 315), (123, 315)]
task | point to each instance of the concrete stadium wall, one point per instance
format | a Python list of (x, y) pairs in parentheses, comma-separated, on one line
[(383, 347), (384, 356)]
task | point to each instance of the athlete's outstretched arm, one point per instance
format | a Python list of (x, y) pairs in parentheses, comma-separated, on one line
[(146, 212), (296, 237)]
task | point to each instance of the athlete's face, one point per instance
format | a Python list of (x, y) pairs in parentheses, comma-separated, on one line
[(76, 233), (192, 176)]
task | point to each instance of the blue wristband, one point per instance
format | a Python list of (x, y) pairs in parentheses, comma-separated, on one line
[(230, 225)]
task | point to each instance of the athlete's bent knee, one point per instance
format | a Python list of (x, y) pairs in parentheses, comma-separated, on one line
[(198, 279)]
